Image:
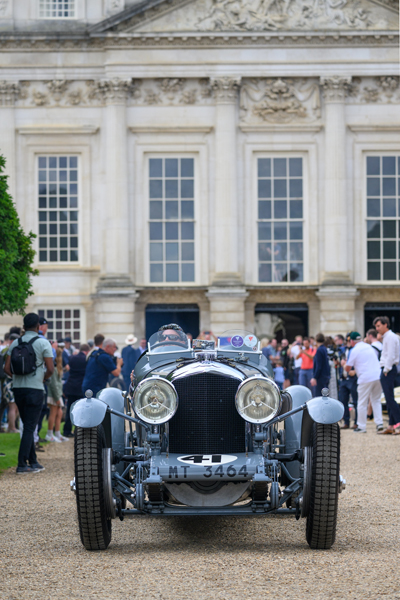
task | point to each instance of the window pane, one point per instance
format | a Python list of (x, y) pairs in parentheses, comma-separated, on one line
[(280, 188), (389, 229), (156, 273), (280, 272), (389, 165), (172, 251), (171, 167), (264, 209), (296, 231), (280, 209), (187, 209), (373, 229), (373, 165), (155, 167), (188, 272), (373, 186), (171, 231), (296, 209), (43, 256), (296, 188), (296, 272), (264, 272), (171, 209), (187, 188), (264, 251), (156, 231), (171, 188), (388, 186), (389, 271), (187, 251), (264, 188), (42, 162), (264, 167), (280, 231), (171, 272), (389, 249), (155, 188), (389, 207), (156, 251), (187, 231), (295, 167), (280, 251), (296, 251), (279, 167), (156, 209), (374, 249), (264, 231), (374, 271), (187, 167), (373, 207)]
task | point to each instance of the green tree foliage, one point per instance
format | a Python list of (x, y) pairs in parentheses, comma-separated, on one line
[(16, 254)]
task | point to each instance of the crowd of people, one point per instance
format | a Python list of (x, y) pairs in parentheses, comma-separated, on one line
[(355, 370), (42, 379)]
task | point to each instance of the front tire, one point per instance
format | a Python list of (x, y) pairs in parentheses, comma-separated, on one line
[(321, 521), (94, 526)]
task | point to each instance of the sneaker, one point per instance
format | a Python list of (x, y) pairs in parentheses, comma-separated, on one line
[(379, 428), (49, 437), (60, 438), (359, 430), (26, 469), (37, 467)]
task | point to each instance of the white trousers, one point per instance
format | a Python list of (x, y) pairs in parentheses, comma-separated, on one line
[(369, 391)]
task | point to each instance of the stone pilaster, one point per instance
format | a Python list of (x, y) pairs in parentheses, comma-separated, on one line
[(337, 309), (226, 265), (114, 308), (227, 308), (335, 266), (9, 92)]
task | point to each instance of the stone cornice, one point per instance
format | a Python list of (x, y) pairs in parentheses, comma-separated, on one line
[(45, 43)]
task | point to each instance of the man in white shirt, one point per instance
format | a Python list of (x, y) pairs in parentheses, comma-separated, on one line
[(388, 362), (294, 352), (364, 361)]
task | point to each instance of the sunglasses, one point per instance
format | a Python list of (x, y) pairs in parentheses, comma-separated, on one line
[(170, 336)]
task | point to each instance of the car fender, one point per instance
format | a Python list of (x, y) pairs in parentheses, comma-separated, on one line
[(324, 410), (294, 424), (114, 426), (88, 412)]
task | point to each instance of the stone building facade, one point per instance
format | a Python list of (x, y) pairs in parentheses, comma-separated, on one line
[(237, 159)]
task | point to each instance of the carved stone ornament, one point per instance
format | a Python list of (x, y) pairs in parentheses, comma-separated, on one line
[(376, 90), (335, 89), (111, 90), (279, 100), (9, 92), (225, 89), (266, 15), (57, 88)]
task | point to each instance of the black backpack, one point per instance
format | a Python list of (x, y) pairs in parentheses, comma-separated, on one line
[(23, 357)]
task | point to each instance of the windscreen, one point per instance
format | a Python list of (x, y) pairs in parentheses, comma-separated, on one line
[(168, 340), (239, 340)]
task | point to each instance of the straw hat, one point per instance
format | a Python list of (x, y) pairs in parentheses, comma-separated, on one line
[(131, 339)]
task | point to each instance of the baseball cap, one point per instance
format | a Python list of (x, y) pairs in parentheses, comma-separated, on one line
[(67, 339), (42, 321), (354, 335)]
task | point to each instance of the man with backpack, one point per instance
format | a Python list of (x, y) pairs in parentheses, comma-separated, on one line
[(29, 362)]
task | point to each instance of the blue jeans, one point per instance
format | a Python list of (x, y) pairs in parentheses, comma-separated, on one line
[(348, 387), (387, 382), (305, 377), (29, 402)]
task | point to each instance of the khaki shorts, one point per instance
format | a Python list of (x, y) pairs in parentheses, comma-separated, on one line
[(53, 402)]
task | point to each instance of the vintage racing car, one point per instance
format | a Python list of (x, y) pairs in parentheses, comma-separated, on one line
[(204, 430)]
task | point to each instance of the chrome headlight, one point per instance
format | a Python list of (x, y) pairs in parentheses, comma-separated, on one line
[(155, 400), (258, 400)]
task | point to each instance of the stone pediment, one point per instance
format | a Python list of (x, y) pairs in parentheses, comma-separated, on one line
[(190, 16)]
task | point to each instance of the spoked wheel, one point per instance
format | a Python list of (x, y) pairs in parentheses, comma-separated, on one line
[(322, 516), (94, 523)]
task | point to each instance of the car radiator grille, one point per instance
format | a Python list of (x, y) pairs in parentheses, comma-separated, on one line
[(206, 421)]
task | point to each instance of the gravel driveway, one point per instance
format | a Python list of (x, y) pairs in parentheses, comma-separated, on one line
[(202, 558)]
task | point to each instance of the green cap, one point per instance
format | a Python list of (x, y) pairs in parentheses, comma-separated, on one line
[(354, 335)]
